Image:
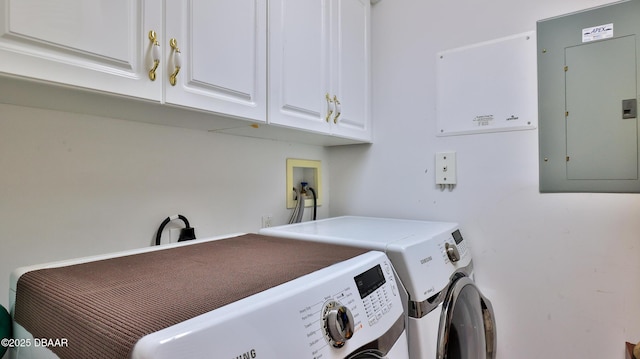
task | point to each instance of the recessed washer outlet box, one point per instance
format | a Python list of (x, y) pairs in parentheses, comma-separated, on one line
[(300, 170)]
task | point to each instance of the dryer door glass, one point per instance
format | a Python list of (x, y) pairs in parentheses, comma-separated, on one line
[(466, 324)]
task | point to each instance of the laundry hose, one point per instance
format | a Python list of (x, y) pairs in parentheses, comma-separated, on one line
[(5, 329)]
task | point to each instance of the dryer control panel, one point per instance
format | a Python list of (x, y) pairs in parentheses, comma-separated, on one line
[(328, 314), (457, 250), (426, 264), (367, 303)]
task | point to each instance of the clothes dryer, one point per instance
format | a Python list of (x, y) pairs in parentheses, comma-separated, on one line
[(241, 296), (449, 318)]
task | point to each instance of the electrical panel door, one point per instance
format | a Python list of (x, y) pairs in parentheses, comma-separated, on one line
[(601, 144)]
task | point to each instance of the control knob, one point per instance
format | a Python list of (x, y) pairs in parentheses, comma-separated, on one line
[(337, 323), (452, 252)]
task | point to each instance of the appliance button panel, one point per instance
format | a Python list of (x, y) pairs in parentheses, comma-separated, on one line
[(379, 302), (462, 248)]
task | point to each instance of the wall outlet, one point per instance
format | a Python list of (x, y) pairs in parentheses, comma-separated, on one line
[(267, 221), (174, 234)]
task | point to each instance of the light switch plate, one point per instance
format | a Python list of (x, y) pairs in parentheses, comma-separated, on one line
[(446, 168)]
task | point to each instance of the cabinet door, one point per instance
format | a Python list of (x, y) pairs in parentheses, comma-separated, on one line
[(223, 56), (350, 70), (101, 44), (299, 64)]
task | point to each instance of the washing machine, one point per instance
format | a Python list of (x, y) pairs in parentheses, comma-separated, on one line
[(243, 296), (449, 318)]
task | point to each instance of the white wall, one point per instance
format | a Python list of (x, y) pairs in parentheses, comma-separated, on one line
[(562, 269), (75, 185)]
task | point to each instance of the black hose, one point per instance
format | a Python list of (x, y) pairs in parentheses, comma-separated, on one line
[(166, 221), (315, 202)]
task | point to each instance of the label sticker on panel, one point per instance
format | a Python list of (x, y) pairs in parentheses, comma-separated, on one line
[(597, 33), (483, 120)]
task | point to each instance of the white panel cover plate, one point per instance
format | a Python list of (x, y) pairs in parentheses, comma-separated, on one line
[(488, 87)]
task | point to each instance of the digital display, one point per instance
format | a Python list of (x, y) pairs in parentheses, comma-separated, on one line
[(457, 236), (369, 281)]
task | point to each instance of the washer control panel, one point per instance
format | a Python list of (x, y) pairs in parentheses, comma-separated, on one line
[(367, 303), (376, 297), (331, 313)]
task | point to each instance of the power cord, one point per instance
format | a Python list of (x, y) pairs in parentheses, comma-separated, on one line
[(186, 234)]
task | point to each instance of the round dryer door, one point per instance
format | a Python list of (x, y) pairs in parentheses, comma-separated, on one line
[(467, 324)]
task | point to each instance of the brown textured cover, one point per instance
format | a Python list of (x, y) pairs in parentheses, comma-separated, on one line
[(104, 307)]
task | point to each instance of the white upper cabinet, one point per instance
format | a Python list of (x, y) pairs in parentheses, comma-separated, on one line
[(299, 63), (222, 45), (207, 55), (350, 69), (319, 56), (101, 45)]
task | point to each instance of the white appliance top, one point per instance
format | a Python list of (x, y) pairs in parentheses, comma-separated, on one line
[(374, 233), (416, 248)]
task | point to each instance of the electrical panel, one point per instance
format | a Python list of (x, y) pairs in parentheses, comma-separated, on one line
[(588, 78)]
